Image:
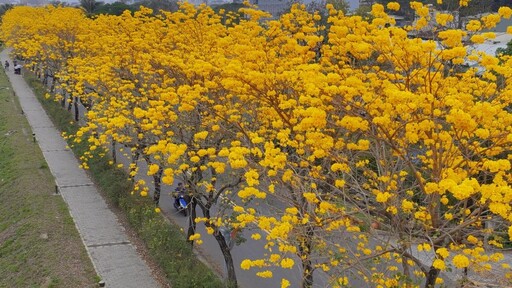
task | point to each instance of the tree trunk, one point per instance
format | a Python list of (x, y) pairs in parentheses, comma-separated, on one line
[(226, 252), (70, 103), (54, 80), (63, 101), (305, 255), (405, 267), (191, 219), (224, 248), (77, 113), (157, 178), (404, 247), (114, 152), (430, 281), (135, 158)]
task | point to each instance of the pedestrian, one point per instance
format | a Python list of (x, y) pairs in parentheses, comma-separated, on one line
[(17, 69), (6, 65)]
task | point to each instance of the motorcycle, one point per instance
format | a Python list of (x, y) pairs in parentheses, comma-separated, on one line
[(181, 202)]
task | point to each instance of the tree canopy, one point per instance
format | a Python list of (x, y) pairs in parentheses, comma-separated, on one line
[(344, 144)]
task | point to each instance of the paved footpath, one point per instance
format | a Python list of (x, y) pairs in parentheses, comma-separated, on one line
[(114, 257)]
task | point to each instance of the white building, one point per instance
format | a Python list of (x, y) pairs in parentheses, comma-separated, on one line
[(366, 2), (274, 7)]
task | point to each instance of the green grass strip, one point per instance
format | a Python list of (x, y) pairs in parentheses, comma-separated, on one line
[(39, 243)]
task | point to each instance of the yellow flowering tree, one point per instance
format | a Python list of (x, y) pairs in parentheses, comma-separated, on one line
[(349, 147), (139, 95), (19, 29), (48, 38), (435, 152), (285, 124), (48, 42), (198, 150), (128, 92)]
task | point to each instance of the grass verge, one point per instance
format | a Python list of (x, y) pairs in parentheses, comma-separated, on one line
[(39, 243), (165, 241)]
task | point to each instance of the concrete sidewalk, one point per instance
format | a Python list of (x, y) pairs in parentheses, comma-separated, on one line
[(116, 261)]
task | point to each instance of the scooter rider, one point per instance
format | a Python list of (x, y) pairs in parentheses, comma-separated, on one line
[(181, 199), (180, 191)]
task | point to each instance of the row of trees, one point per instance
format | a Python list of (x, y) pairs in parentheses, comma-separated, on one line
[(372, 146), (468, 8), (94, 7)]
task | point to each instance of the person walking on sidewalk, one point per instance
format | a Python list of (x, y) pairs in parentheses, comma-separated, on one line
[(17, 69), (6, 65)]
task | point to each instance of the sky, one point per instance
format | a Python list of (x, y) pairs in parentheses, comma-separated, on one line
[(353, 4)]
